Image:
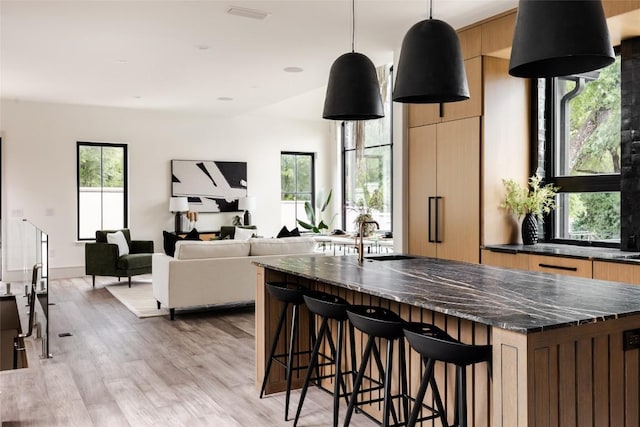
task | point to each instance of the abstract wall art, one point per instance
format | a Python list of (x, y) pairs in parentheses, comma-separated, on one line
[(210, 186)]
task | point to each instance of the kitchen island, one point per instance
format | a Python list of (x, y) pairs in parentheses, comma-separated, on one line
[(560, 354)]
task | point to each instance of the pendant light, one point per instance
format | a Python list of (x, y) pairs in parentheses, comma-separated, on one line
[(559, 38), (353, 91), (430, 68)]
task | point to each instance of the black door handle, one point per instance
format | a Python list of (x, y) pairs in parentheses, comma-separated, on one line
[(429, 222), (438, 240)]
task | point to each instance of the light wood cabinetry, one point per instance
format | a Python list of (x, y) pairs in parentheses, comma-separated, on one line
[(617, 272), (518, 261), (426, 114), (444, 191), (561, 265), (422, 185)]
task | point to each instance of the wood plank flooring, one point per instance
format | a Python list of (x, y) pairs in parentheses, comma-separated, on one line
[(118, 370)]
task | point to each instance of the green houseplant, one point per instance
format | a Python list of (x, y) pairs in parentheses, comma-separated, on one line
[(311, 215), (530, 202)]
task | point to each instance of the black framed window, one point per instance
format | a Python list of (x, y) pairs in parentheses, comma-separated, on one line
[(579, 151), (297, 186), (102, 187), (367, 163)]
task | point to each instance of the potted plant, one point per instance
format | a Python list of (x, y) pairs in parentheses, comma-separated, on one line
[(364, 207), (530, 202), (311, 215)]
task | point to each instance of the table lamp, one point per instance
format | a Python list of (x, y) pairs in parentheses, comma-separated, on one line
[(178, 205), (247, 204)]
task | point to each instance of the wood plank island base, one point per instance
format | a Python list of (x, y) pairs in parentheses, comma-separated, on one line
[(559, 353)]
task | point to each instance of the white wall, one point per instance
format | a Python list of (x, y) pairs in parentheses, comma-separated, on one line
[(39, 165)]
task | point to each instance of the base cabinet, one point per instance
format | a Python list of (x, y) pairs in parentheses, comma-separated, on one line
[(617, 272)]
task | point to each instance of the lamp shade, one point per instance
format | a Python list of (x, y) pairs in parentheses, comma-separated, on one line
[(430, 67), (178, 204), (559, 38), (247, 203), (353, 91)]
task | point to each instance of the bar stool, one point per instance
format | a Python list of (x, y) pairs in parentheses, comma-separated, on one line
[(434, 344), (327, 307), (378, 322), (287, 294)]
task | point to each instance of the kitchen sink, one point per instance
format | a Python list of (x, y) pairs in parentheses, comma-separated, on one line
[(388, 257)]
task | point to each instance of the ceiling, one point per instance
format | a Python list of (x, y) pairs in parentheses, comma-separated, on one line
[(187, 55)]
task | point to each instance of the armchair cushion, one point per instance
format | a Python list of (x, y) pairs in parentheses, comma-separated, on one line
[(134, 261)]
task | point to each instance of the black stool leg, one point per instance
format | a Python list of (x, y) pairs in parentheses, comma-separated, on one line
[(354, 364), (358, 382), (338, 380), (461, 397), (292, 341), (312, 364), (426, 379), (404, 390), (387, 387), (274, 345)]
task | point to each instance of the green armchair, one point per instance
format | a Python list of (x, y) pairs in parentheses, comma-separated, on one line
[(102, 258)]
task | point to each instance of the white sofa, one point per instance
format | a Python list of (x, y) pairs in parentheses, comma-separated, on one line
[(217, 272)]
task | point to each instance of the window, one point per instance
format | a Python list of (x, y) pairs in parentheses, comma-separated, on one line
[(581, 154), (367, 164), (297, 175), (102, 188)]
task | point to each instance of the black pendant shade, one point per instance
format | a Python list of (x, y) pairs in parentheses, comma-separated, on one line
[(430, 68), (353, 92), (559, 38)]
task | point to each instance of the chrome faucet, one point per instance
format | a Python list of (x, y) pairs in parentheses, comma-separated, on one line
[(361, 244)]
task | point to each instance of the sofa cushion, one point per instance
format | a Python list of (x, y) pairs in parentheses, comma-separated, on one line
[(211, 249), (134, 261), (291, 245)]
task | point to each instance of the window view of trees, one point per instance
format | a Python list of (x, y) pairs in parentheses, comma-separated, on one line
[(297, 186), (102, 188), (367, 163), (588, 132)]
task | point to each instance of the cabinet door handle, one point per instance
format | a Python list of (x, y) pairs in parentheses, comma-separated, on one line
[(429, 222), (437, 199), (558, 267)]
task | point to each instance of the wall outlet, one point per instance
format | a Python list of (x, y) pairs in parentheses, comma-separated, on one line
[(631, 339)]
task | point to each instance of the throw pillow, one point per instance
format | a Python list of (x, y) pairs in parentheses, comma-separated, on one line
[(118, 238), (170, 240), (284, 232), (294, 233), (243, 233)]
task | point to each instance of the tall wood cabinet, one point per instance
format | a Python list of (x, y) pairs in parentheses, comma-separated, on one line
[(444, 190)]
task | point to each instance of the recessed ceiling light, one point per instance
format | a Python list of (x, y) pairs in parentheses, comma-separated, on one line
[(122, 61), (293, 69), (225, 98), (137, 97), (247, 13), (202, 47)]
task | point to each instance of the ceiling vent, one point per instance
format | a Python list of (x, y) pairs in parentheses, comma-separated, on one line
[(247, 13)]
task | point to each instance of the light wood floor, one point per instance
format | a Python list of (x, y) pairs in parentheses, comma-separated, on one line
[(118, 370)]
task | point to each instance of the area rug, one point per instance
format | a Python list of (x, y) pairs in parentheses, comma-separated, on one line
[(138, 299)]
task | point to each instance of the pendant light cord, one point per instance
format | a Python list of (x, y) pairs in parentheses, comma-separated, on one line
[(353, 25), (430, 9)]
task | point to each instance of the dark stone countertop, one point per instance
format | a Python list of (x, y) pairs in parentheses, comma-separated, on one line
[(516, 300), (571, 251)]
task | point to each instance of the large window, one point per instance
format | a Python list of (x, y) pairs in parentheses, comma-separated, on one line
[(102, 188), (582, 154), (297, 175), (367, 164)]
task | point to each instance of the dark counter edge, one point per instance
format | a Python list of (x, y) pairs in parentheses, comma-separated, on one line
[(567, 251), (454, 313)]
